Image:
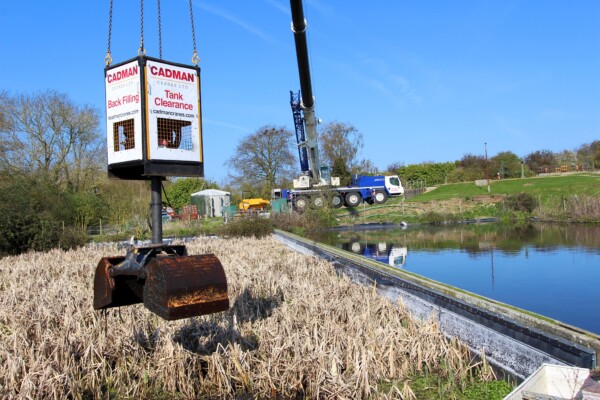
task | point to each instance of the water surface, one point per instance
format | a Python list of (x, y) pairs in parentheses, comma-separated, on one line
[(553, 270)]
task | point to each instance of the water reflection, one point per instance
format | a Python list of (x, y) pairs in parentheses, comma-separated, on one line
[(550, 269), (477, 238), (390, 254)]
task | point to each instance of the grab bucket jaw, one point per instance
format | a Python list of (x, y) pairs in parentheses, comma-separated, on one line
[(170, 283), (183, 287), (116, 291)]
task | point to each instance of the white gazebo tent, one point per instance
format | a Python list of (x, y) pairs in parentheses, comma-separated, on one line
[(211, 202)]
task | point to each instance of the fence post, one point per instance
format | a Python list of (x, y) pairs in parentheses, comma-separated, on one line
[(364, 210), (100, 227)]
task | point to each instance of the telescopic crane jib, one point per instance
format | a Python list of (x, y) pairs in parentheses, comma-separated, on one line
[(316, 187), (304, 103), (154, 130)]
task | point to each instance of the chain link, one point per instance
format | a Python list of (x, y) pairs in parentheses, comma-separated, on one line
[(195, 58), (159, 33), (108, 57), (141, 50)]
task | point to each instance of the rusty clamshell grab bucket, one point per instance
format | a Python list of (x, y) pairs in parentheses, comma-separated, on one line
[(170, 283)]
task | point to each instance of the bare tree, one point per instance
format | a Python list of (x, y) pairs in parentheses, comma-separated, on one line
[(5, 128), (365, 167), (263, 158), (340, 141), (49, 134)]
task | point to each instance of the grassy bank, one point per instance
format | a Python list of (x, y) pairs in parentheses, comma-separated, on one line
[(573, 198), (545, 187), (295, 329)]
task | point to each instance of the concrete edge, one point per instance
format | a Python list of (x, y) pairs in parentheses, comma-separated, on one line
[(545, 340)]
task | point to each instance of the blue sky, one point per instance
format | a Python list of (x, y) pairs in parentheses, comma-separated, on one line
[(422, 81)]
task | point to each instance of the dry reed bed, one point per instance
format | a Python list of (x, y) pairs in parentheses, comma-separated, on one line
[(294, 329)]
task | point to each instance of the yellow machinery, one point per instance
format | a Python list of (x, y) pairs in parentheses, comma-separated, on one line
[(252, 205)]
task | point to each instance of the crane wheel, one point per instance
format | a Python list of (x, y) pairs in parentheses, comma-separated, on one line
[(353, 199), (337, 201), (318, 201), (380, 197), (357, 247), (301, 203)]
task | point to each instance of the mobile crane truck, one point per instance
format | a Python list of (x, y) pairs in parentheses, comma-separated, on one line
[(315, 187)]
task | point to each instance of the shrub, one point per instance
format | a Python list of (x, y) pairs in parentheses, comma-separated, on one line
[(307, 222), (524, 202), (32, 213), (583, 208), (248, 225), (432, 173), (434, 218), (72, 238)]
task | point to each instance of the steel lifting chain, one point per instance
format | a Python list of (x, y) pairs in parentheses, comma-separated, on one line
[(142, 50), (108, 57), (159, 33), (195, 58)]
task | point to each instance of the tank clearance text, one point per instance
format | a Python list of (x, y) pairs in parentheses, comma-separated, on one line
[(122, 74), (173, 74), (170, 95)]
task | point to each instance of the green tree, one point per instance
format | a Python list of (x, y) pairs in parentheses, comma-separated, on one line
[(87, 208), (540, 159), (35, 214), (566, 157), (125, 201), (179, 191), (340, 169), (507, 164), (471, 167), (428, 172), (589, 154)]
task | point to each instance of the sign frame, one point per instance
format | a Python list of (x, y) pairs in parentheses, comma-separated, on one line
[(153, 99)]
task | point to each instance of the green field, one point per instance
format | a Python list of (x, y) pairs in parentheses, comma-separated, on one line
[(569, 197), (545, 187)]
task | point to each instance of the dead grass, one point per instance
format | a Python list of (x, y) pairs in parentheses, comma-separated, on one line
[(582, 207), (295, 329)]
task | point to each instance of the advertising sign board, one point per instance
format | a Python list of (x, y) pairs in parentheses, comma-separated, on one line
[(124, 113), (173, 120)]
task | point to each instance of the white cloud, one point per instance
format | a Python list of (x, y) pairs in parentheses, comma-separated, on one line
[(225, 125), (394, 86), (239, 22), (280, 5)]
